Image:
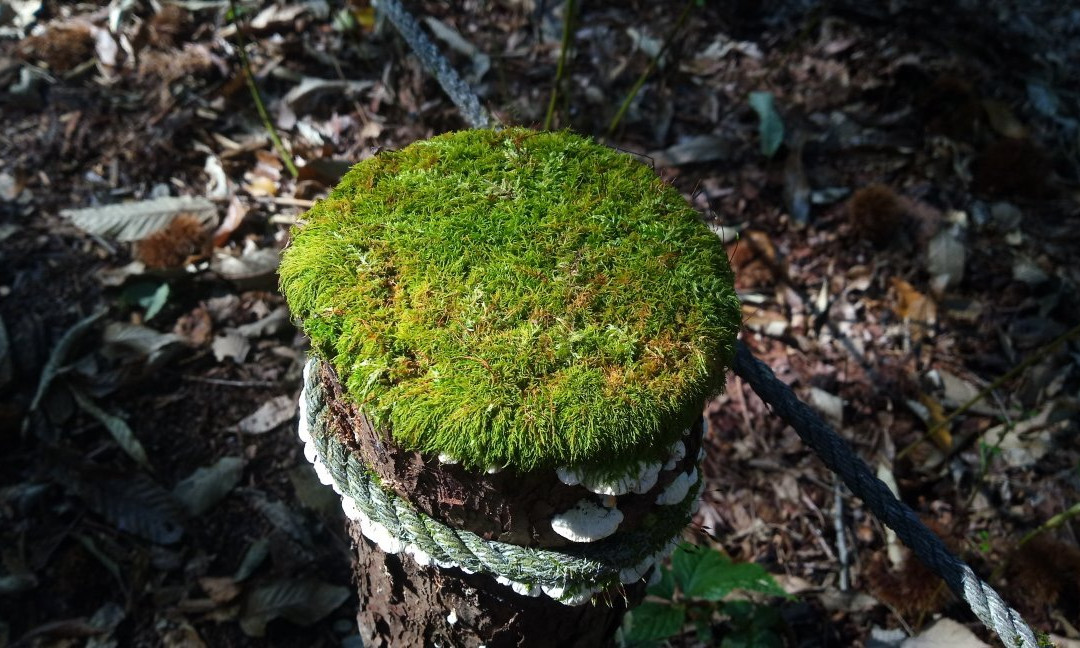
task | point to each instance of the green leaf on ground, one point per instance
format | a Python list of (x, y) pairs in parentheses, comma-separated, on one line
[(652, 621), (205, 487), (770, 125), (254, 556), (60, 353), (665, 588), (707, 574), (138, 506), (117, 427)]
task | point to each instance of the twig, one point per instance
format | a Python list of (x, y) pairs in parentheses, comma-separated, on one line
[(649, 68), (1052, 523), (224, 382), (568, 28), (1009, 375), (260, 107), (437, 66)]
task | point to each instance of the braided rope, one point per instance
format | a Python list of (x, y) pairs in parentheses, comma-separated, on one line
[(570, 575), (986, 603)]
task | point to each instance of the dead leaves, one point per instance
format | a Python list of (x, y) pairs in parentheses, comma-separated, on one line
[(911, 306)]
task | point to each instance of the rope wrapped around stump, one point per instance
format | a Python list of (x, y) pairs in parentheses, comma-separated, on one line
[(571, 575)]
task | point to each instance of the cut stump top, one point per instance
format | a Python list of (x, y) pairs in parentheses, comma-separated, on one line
[(516, 299)]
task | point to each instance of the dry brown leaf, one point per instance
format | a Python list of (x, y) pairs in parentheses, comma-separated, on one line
[(913, 306), (763, 321), (220, 589), (935, 421), (261, 186), (234, 216), (195, 327), (1002, 119), (270, 414)]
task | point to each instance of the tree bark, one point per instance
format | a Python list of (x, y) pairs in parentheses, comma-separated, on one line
[(405, 604)]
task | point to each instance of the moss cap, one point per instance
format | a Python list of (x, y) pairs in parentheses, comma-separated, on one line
[(516, 298)]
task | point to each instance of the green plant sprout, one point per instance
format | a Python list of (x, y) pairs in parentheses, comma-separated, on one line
[(696, 590), (516, 298)]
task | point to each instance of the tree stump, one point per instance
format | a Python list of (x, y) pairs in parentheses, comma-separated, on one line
[(513, 336)]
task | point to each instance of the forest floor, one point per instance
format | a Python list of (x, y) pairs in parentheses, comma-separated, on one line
[(909, 238)]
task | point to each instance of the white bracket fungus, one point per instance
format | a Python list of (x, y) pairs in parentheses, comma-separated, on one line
[(678, 488), (587, 522), (639, 479), (678, 451)]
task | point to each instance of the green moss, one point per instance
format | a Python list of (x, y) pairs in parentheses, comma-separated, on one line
[(516, 298)]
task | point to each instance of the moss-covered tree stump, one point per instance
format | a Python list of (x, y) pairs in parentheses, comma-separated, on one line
[(513, 335)]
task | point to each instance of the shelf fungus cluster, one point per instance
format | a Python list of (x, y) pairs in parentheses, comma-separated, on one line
[(513, 334)]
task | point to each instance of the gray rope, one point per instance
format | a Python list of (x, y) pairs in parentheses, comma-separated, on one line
[(437, 65), (596, 564), (987, 605)]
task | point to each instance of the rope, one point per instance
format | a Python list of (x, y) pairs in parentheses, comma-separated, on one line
[(437, 65), (987, 604), (560, 573)]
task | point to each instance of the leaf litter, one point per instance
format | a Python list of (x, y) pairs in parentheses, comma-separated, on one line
[(857, 312)]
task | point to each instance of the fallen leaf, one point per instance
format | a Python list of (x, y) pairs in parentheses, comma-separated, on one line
[(306, 95), (701, 148), (137, 505), (301, 601), (770, 126), (763, 321), (284, 517), (945, 633), (277, 16), (231, 345), (261, 186), (234, 216), (205, 487), (1002, 119), (135, 221), (117, 427), (935, 421), (220, 589), (252, 265), (195, 327), (134, 341), (831, 406), (914, 307), (893, 548), (59, 354), (217, 184), (268, 416), (1023, 443), (254, 556), (272, 324), (312, 493), (959, 391), (177, 632), (946, 256)]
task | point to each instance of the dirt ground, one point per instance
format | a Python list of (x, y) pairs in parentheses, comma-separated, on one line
[(908, 241)]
